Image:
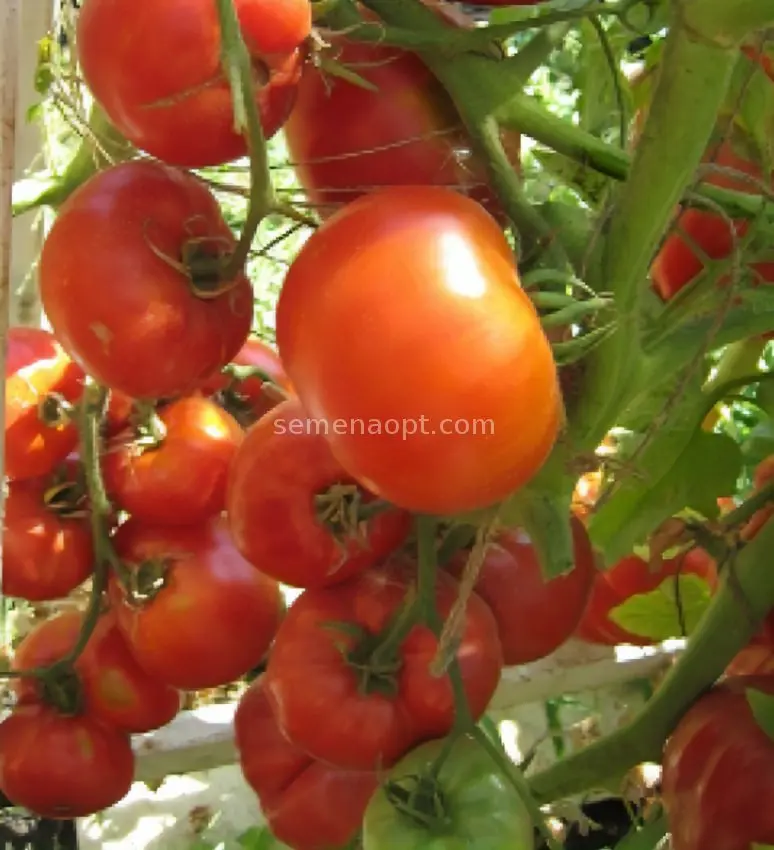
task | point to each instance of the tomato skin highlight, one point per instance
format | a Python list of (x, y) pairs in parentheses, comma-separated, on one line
[(307, 804), (36, 366), (214, 618), (116, 690), (181, 112), (63, 767), (182, 481), (415, 366), (275, 525), (45, 555), (308, 676), (628, 577), (534, 617), (484, 811), (130, 319), (346, 140), (718, 772)]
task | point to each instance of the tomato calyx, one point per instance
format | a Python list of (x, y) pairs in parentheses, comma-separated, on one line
[(146, 581), (420, 798), (61, 688), (66, 499), (344, 510), (234, 401), (55, 411), (149, 431)]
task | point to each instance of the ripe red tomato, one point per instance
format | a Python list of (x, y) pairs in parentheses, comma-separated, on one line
[(630, 576), (63, 767), (534, 617), (183, 480), (36, 366), (215, 615), (346, 140), (47, 542), (181, 112), (371, 720), (304, 524), (116, 301), (247, 400), (116, 690), (307, 804), (678, 263), (419, 402), (718, 772)]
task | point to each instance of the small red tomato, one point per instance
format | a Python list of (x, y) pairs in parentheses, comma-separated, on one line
[(181, 111), (307, 804), (47, 542), (249, 398), (116, 690), (37, 367), (306, 523), (63, 767), (182, 480), (534, 616), (334, 699), (718, 772), (130, 303), (213, 616)]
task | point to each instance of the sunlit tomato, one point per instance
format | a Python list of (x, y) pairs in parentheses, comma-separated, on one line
[(346, 140), (121, 302), (374, 709), (306, 523), (419, 403), (307, 804), (248, 399), (629, 577), (47, 542), (534, 617), (718, 772), (181, 111), (63, 767), (115, 689), (214, 616), (182, 481), (36, 367)]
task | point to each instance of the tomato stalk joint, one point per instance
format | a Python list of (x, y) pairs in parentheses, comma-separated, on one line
[(147, 581), (420, 799), (343, 509)]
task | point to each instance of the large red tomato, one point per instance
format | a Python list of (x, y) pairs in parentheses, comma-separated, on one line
[(36, 367), (115, 289), (403, 325), (47, 542), (307, 804), (306, 522), (214, 616), (249, 398), (374, 710), (534, 616), (346, 140), (718, 772), (182, 481), (115, 689), (181, 111), (630, 576), (63, 767)]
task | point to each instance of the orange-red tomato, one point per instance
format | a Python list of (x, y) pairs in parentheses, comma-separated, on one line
[(215, 615), (47, 542), (37, 366), (116, 690), (181, 111), (182, 481), (120, 302), (63, 767), (419, 402)]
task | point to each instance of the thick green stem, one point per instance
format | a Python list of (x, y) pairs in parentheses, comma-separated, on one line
[(744, 599), (239, 72)]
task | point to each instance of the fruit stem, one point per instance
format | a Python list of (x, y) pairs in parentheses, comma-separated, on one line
[(237, 65), (739, 516), (745, 597)]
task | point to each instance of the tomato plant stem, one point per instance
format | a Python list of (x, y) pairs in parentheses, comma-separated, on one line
[(239, 72), (744, 599)]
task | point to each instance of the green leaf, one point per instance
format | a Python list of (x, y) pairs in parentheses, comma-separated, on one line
[(762, 707), (260, 838), (588, 183), (759, 443), (657, 615), (764, 398)]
